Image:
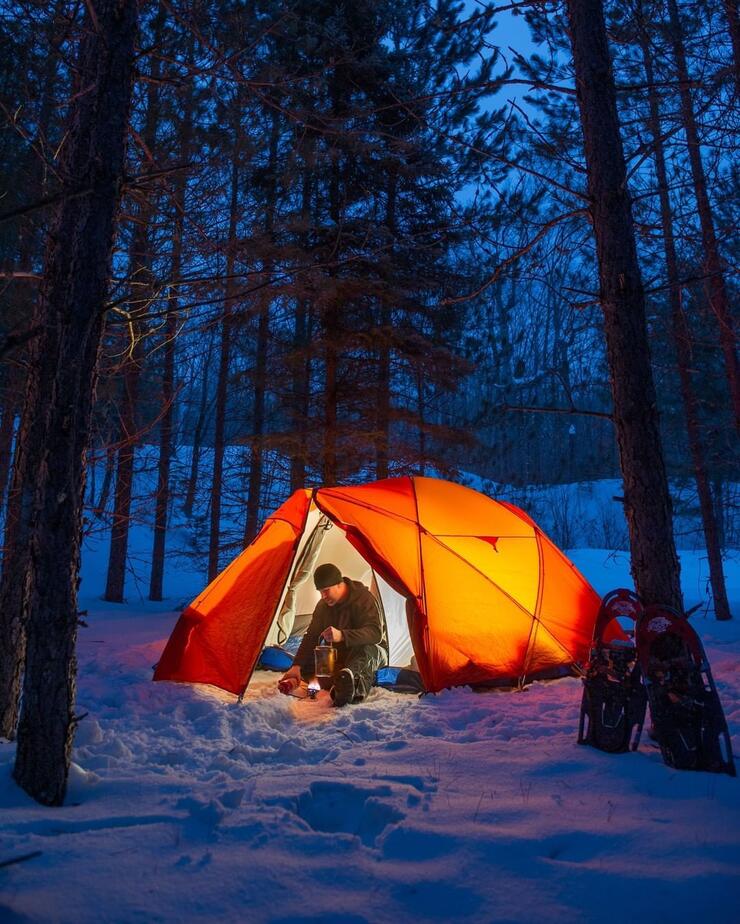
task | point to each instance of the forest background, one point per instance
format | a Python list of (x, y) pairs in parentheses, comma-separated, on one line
[(357, 240)]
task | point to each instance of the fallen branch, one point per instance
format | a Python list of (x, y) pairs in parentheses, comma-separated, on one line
[(21, 859)]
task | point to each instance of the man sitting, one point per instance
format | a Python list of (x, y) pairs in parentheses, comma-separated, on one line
[(347, 616)]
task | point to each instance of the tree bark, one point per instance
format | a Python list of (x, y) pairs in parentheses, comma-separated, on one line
[(384, 350), (141, 292), (15, 539), (7, 428), (102, 500), (301, 366), (331, 316), (30, 247), (116, 578), (733, 23), (222, 386), (141, 281), (421, 415), (300, 394), (56, 419), (682, 341), (647, 502), (168, 374), (331, 321), (254, 489), (714, 285), (198, 433), (164, 461)]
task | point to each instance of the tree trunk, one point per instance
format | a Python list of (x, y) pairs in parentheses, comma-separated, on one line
[(331, 322), (331, 312), (165, 449), (30, 238), (102, 502), (141, 281), (384, 351), (682, 341), (222, 386), (647, 500), (56, 420), (421, 414), (382, 439), (198, 434), (714, 285), (7, 428), (254, 488), (300, 385), (15, 539), (168, 374), (116, 578), (733, 23), (301, 377)]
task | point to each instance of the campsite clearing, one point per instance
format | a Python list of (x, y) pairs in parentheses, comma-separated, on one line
[(457, 806)]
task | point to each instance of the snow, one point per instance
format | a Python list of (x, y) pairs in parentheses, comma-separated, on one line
[(186, 805)]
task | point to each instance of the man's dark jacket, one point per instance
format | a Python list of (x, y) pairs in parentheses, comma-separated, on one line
[(359, 618)]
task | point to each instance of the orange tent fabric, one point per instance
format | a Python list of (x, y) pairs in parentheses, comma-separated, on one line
[(489, 598)]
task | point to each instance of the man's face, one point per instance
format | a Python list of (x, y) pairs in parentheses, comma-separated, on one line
[(332, 595)]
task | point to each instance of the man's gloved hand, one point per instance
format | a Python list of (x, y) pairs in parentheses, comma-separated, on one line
[(290, 681)]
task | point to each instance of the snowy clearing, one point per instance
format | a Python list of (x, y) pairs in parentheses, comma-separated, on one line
[(185, 805)]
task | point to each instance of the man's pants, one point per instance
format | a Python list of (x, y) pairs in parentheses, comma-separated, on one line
[(363, 661)]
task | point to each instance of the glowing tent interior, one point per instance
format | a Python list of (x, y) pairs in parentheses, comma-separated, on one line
[(469, 585)]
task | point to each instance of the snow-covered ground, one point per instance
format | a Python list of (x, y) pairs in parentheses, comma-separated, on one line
[(186, 806)]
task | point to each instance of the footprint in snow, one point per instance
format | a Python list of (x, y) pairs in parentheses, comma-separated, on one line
[(332, 807)]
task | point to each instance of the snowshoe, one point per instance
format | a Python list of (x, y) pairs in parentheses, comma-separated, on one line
[(688, 721), (614, 700)]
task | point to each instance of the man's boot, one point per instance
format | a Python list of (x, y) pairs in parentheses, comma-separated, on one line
[(343, 691)]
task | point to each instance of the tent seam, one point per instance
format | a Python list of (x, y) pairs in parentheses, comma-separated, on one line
[(537, 607), (422, 582), (382, 510), (533, 616)]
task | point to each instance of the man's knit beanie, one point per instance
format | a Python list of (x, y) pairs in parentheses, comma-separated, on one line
[(327, 575)]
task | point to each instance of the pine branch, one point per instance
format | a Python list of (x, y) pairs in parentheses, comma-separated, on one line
[(520, 252), (602, 415)]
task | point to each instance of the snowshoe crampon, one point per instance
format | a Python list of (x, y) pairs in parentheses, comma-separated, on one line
[(614, 699), (688, 721)]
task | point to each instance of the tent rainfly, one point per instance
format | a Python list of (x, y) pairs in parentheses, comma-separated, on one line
[(471, 587)]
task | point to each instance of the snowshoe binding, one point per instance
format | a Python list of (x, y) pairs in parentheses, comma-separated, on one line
[(614, 699), (688, 721)]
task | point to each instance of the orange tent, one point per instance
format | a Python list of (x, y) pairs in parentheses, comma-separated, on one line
[(470, 586)]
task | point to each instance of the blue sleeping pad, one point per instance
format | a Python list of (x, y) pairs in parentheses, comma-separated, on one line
[(275, 658), (399, 679)]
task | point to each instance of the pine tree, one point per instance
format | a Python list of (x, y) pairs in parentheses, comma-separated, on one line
[(647, 500), (56, 416)]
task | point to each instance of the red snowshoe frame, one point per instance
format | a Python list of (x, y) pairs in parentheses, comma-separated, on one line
[(614, 699), (687, 715)]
